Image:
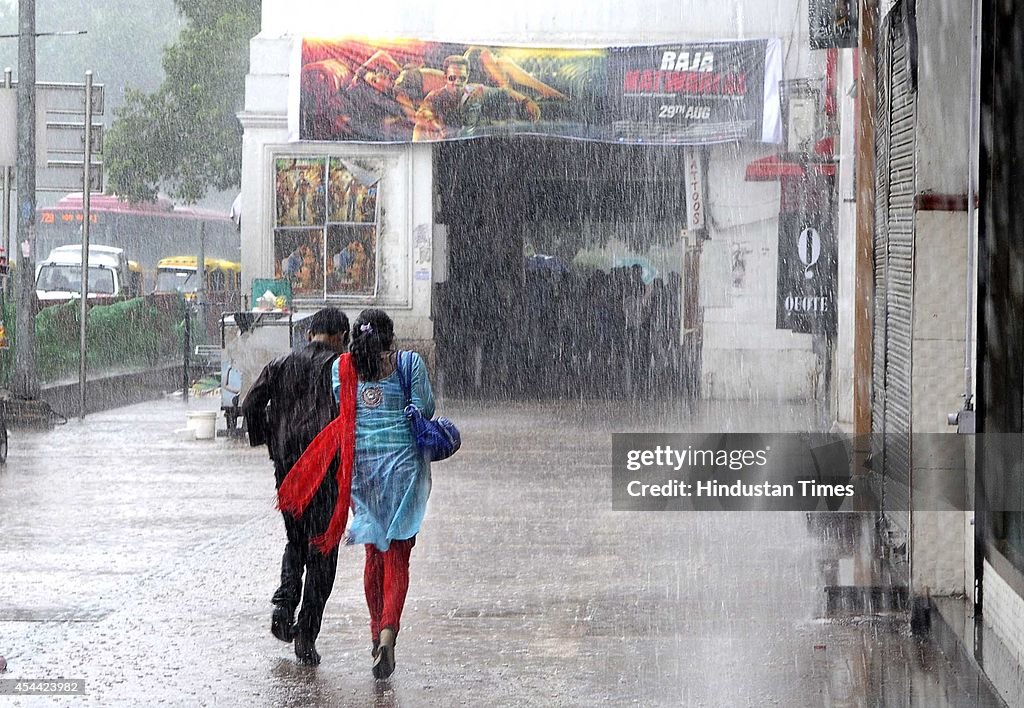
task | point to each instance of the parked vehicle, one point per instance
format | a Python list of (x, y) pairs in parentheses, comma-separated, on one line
[(221, 288), (178, 274), (250, 340), (111, 274)]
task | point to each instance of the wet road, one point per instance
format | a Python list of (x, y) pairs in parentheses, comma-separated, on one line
[(144, 565)]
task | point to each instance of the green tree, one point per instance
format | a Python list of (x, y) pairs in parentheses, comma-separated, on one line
[(185, 138)]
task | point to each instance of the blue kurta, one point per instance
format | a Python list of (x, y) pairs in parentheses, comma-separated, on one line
[(390, 480)]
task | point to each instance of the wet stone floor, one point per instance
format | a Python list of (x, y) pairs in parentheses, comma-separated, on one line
[(144, 565)]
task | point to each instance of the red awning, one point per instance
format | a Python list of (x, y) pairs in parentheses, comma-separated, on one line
[(775, 167), (772, 168)]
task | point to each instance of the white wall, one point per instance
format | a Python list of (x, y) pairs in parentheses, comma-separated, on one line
[(940, 545), (745, 357), (943, 97), (940, 538), (845, 234), (567, 22), (1004, 613)]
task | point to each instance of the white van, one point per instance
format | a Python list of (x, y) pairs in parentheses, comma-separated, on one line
[(111, 275)]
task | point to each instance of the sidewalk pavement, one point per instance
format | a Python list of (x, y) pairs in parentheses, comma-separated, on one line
[(144, 565)]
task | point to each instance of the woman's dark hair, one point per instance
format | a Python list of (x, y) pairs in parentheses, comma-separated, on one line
[(372, 333)]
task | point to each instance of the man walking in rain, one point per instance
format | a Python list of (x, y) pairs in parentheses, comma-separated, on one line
[(287, 406)]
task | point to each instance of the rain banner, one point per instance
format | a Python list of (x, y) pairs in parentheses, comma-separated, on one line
[(418, 91)]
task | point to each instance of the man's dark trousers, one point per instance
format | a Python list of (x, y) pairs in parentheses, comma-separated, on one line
[(300, 555)]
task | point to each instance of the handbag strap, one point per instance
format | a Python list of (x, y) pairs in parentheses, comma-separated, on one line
[(404, 376)]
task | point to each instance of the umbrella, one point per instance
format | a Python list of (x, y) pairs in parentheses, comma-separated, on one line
[(649, 271)]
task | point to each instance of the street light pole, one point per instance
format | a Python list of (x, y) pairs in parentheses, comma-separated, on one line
[(25, 382)]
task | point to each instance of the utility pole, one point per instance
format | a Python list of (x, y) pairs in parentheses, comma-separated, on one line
[(83, 313), (8, 177), (25, 382)]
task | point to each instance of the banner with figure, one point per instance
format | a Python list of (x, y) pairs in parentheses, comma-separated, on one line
[(414, 91)]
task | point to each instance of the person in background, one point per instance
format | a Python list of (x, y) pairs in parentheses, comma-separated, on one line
[(290, 403)]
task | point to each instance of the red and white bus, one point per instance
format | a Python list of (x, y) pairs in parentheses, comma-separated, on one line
[(147, 231)]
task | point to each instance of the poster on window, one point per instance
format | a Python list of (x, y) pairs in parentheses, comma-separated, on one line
[(300, 192), (327, 226), (353, 200), (351, 260), (409, 90), (298, 258)]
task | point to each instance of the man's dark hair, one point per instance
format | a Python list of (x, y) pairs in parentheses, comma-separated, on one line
[(329, 320), (456, 59)]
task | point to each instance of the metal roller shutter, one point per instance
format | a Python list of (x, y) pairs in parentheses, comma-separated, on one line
[(883, 91), (894, 267)]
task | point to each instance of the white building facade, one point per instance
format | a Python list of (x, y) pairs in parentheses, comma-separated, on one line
[(744, 355)]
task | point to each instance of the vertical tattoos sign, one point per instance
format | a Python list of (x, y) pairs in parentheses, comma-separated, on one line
[(694, 181)]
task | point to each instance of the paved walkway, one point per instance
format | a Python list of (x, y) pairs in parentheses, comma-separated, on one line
[(144, 565)]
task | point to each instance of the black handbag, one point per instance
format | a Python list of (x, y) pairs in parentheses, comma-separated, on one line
[(437, 439)]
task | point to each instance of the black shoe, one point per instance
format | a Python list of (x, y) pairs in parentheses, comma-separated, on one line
[(384, 661), (281, 623), (305, 650)]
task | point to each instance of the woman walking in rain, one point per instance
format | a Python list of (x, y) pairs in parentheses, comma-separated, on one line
[(380, 471), (390, 479)]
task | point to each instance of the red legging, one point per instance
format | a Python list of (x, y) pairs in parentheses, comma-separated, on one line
[(386, 582)]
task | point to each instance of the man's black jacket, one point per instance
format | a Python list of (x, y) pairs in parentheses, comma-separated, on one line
[(290, 402)]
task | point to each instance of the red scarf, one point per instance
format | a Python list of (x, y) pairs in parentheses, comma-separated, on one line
[(304, 478)]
